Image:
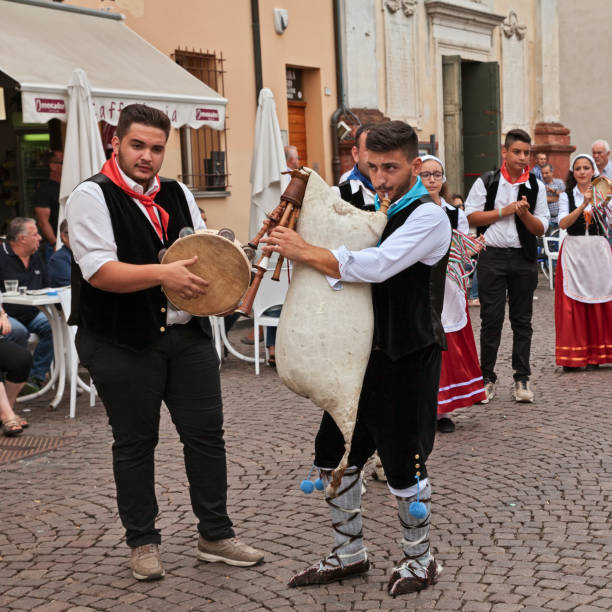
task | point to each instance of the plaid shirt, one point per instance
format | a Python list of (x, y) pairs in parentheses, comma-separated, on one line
[(557, 185)]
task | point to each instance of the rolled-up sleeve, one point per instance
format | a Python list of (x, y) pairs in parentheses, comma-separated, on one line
[(91, 232), (424, 236)]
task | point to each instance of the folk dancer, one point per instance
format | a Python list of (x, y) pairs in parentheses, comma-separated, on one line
[(461, 383), (509, 207), (397, 410), (140, 351), (583, 285)]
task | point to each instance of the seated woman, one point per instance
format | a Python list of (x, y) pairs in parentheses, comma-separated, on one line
[(461, 382), (15, 361), (583, 282)]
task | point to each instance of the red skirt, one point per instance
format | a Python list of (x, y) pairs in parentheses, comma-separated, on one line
[(461, 381), (584, 331)]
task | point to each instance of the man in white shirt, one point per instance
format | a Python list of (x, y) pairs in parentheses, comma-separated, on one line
[(398, 403), (509, 207), (601, 155), (139, 350), (355, 185)]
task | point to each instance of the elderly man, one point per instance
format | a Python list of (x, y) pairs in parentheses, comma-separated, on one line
[(20, 261), (541, 160), (292, 157), (554, 187), (601, 155)]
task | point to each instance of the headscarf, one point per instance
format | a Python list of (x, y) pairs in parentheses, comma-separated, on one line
[(586, 156), (425, 158)]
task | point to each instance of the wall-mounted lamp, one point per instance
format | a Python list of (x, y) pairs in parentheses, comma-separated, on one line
[(281, 20)]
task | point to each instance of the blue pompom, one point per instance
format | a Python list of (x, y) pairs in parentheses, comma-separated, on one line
[(307, 487), (319, 486), (418, 510)]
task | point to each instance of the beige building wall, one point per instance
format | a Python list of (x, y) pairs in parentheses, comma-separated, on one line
[(586, 78), (225, 27)]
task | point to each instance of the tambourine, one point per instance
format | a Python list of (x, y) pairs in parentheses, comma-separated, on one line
[(603, 185), (221, 261)]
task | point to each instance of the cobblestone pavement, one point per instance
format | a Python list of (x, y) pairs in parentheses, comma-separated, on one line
[(522, 507)]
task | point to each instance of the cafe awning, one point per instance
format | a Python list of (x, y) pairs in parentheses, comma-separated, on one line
[(43, 42)]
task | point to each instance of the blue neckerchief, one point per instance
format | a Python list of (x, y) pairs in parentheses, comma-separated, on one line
[(415, 193), (356, 175)]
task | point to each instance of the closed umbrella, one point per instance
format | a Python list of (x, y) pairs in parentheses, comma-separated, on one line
[(83, 152), (267, 183)]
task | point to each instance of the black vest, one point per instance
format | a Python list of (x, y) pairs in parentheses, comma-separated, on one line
[(356, 199), (528, 241), (453, 216), (408, 306), (136, 319), (578, 227)]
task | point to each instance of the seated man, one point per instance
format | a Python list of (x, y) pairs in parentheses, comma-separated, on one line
[(20, 261), (60, 263)]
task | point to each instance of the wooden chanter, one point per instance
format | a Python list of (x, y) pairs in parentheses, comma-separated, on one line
[(286, 214)]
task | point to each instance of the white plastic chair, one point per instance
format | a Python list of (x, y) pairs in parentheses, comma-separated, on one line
[(271, 293)]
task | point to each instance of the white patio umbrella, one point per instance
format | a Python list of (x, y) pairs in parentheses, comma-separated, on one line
[(267, 183), (83, 151)]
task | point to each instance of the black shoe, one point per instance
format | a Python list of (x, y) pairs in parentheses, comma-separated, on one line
[(32, 385), (318, 575), (570, 369), (446, 425), (592, 366)]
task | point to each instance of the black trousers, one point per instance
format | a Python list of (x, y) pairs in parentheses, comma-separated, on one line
[(506, 274), (396, 416), (15, 360), (181, 369)]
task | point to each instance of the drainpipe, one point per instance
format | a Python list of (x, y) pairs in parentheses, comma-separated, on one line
[(340, 91), (256, 49)]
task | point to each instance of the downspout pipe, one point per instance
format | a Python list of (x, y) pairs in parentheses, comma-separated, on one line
[(256, 49), (340, 91)]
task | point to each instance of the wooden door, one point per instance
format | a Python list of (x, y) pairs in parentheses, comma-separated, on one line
[(297, 129), (481, 119), (453, 129)]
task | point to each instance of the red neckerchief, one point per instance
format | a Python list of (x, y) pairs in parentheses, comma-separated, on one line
[(111, 170), (521, 179)]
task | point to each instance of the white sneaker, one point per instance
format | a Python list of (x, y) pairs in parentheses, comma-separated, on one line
[(489, 392), (523, 392)]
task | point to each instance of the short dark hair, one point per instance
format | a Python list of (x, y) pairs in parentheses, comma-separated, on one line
[(146, 115), (63, 226), (457, 195), (391, 136), (363, 128), (517, 134), (52, 155)]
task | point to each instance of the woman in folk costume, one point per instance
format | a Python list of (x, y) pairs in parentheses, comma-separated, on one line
[(461, 382), (583, 284)]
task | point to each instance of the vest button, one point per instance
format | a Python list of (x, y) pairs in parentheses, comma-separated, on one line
[(163, 309), (162, 329)]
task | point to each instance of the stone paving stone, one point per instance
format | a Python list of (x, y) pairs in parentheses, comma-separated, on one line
[(522, 498)]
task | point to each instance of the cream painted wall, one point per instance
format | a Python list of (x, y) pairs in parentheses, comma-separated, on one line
[(586, 80), (225, 27)]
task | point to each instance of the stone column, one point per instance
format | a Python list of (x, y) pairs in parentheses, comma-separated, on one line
[(551, 137)]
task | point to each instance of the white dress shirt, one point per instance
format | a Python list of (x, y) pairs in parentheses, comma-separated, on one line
[(425, 236), (92, 239), (607, 171), (502, 232)]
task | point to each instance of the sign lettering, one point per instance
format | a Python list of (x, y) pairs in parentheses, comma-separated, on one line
[(50, 105), (207, 114)]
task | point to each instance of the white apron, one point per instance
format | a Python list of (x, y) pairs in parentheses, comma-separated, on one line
[(587, 269)]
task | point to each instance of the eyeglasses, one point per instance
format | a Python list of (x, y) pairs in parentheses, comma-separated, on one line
[(436, 175)]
